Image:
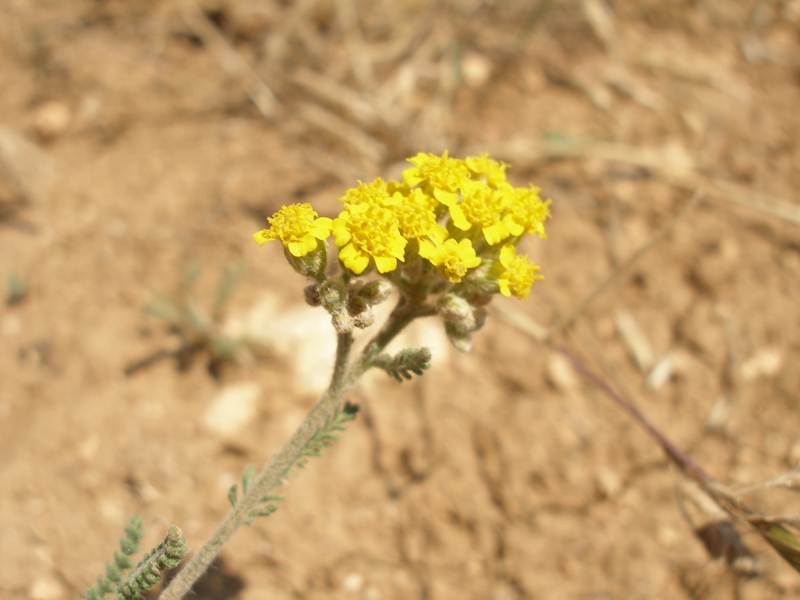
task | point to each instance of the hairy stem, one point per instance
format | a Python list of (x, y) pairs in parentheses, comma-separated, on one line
[(344, 376), (402, 315), (271, 474)]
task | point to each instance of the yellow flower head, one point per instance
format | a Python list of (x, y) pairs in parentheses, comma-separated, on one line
[(416, 218), (482, 206), (527, 210), (488, 170), (297, 227), (519, 275), (443, 174), (455, 258), (368, 193), (368, 231)]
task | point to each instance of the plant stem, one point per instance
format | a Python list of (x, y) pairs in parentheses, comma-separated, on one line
[(402, 315), (271, 474), (678, 456), (343, 379)]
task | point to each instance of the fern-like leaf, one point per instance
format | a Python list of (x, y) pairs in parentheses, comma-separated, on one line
[(404, 363), (166, 555), (265, 506), (115, 570), (325, 437)]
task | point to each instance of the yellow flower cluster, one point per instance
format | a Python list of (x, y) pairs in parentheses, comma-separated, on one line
[(452, 214)]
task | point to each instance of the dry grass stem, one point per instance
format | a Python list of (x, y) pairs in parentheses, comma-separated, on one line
[(276, 45), (349, 134), (360, 61), (333, 92), (230, 60), (635, 339)]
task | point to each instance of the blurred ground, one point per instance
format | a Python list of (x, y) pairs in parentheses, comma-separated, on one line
[(139, 138)]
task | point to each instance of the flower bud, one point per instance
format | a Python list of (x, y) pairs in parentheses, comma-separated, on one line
[(333, 294), (312, 264), (373, 292), (360, 311), (461, 340), (311, 294), (453, 308), (363, 319)]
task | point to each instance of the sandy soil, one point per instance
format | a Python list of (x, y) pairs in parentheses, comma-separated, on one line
[(134, 147)]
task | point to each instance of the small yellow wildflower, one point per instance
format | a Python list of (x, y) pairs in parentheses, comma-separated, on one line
[(527, 210), (482, 206), (519, 275), (455, 258), (297, 227), (375, 192), (443, 174), (484, 168), (368, 231), (416, 218)]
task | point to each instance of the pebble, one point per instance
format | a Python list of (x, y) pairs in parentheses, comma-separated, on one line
[(561, 374), (352, 583), (46, 587), (52, 119), (232, 408), (766, 362), (608, 482), (476, 69)]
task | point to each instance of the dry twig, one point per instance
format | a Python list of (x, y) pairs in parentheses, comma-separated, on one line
[(230, 60)]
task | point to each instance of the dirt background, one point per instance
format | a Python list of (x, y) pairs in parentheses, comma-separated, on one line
[(140, 138)]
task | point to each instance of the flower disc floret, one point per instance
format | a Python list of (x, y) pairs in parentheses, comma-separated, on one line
[(376, 193), (444, 175), (519, 274), (368, 231), (416, 218), (485, 169), (482, 206), (527, 210), (298, 227), (455, 258)]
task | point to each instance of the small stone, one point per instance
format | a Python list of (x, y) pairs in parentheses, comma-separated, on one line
[(561, 374), (52, 119), (46, 587), (12, 325), (608, 482), (668, 536), (661, 373), (766, 362), (88, 448), (476, 69), (719, 413), (372, 594), (232, 408), (635, 339), (352, 583)]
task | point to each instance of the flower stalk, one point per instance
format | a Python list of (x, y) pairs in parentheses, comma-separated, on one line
[(435, 237)]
